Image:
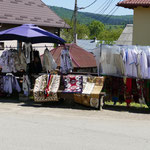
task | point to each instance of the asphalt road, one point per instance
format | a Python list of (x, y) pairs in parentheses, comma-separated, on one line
[(45, 128)]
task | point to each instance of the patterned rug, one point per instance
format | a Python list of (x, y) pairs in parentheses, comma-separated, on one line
[(44, 92), (73, 84)]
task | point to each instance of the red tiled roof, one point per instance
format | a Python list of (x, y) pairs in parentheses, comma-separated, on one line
[(134, 3), (29, 12), (80, 57)]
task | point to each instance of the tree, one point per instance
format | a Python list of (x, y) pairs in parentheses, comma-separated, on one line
[(110, 36), (82, 32), (96, 27)]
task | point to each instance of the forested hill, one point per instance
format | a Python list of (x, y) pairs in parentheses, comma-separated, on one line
[(86, 18)]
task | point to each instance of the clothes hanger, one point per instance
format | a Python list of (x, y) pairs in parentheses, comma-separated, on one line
[(46, 47)]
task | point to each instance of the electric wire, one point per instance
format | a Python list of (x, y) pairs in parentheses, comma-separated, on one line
[(105, 7), (110, 14), (103, 17), (101, 6), (108, 5), (88, 5)]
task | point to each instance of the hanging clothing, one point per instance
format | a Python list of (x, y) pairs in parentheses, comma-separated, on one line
[(26, 85), (10, 84), (146, 93), (144, 65), (130, 63), (2, 93), (37, 65), (128, 93), (141, 90), (23, 61), (12, 62), (28, 50), (123, 61), (107, 61), (48, 61), (65, 62), (138, 64), (119, 62)]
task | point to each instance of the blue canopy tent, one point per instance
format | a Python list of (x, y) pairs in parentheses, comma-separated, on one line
[(30, 33)]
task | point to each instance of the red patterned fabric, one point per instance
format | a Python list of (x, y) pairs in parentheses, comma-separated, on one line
[(128, 91), (73, 84)]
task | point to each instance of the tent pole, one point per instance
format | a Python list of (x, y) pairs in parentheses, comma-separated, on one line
[(19, 47)]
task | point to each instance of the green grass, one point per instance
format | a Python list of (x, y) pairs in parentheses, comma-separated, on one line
[(132, 104)]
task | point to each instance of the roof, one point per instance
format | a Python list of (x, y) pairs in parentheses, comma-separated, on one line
[(88, 45), (80, 57), (29, 12), (126, 36), (134, 3)]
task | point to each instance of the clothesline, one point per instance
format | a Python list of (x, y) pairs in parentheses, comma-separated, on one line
[(11, 47), (124, 61)]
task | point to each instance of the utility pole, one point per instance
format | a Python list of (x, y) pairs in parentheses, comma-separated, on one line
[(75, 22)]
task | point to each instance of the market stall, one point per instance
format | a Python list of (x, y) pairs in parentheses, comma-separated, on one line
[(47, 83), (19, 63), (127, 72)]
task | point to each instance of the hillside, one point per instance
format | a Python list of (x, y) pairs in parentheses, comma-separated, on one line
[(86, 18)]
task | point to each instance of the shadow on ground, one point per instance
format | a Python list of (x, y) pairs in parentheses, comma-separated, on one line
[(69, 104), (66, 104), (127, 109)]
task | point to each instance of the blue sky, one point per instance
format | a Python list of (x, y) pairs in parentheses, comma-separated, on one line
[(98, 7)]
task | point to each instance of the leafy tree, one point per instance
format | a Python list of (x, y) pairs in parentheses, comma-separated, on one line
[(82, 32), (110, 36), (96, 27)]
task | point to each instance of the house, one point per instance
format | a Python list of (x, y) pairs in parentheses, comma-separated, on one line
[(17, 12), (82, 60), (88, 45), (141, 22), (126, 36)]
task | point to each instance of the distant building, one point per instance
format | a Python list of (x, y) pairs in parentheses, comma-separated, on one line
[(17, 12), (141, 21), (88, 45), (126, 36)]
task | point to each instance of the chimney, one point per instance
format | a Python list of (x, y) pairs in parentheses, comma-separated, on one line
[(95, 40)]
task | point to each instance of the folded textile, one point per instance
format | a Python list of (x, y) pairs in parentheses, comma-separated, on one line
[(91, 97), (88, 88)]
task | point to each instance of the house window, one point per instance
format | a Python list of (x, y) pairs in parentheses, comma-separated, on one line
[(1, 45)]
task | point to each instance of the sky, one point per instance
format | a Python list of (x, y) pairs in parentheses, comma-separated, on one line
[(98, 7)]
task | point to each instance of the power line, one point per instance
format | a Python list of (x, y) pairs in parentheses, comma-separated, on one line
[(88, 5), (112, 11), (105, 6), (108, 5), (101, 6), (109, 16)]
